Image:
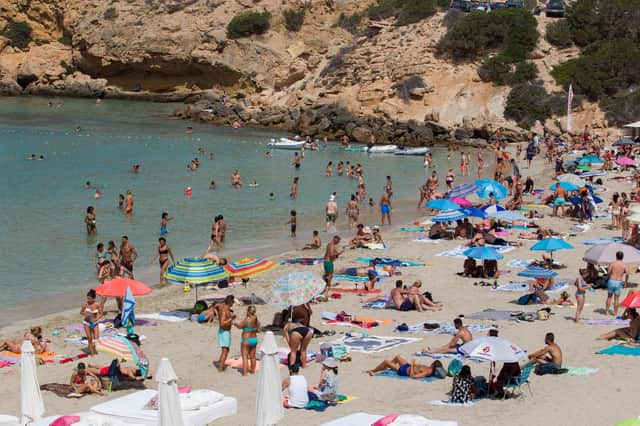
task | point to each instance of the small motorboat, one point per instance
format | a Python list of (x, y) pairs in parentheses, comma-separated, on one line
[(382, 149), (422, 150), (355, 149), (285, 143)]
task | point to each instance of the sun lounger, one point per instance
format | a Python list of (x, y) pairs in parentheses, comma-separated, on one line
[(86, 419), (355, 419), (130, 409)]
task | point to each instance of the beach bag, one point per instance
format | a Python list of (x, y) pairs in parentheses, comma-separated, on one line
[(543, 314), (526, 299), (454, 368)]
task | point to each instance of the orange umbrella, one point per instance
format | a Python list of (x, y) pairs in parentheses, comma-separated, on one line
[(632, 300), (249, 267), (118, 286)]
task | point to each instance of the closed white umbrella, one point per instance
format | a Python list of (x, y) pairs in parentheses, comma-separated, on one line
[(168, 400), (30, 397), (269, 409), (497, 349)]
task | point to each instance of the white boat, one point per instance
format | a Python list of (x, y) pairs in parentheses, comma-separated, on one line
[(412, 151), (382, 149), (286, 143)]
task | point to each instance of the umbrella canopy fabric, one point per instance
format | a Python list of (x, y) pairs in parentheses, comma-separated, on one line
[(195, 271), (537, 272), (507, 216), (492, 208), (623, 142), (462, 190), (625, 161), (249, 267), (590, 159), (566, 185), (129, 304), (293, 289), (592, 173), (31, 404), (269, 408), (119, 347), (551, 244), (483, 253), (462, 202), (632, 300), (168, 398), (569, 177), (117, 287), (488, 187), (474, 212), (449, 216), (604, 254), (496, 349), (442, 204)]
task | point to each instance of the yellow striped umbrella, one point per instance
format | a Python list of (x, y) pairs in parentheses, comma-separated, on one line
[(249, 267)]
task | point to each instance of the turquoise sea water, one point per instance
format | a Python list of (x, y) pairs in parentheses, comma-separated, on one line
[(43, 243)]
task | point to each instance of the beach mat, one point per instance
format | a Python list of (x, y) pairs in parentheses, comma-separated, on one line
[(307, 261), (169, 316), (413, 229), (607, 321), (496, 315), (523, 286), (386, 261), (581, 371), (620, 350), (62, 390), (393, 375), (440, 403), (350, 278), (602, 240), (378, 304), (320, 406), (426, 239), (445, 328), (373, 344), (519, 263)]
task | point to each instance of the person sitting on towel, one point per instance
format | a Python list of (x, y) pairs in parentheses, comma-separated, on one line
[(438, 231), (411, 369), (548, 360), (490, 269), (453, 347), (632, 332)]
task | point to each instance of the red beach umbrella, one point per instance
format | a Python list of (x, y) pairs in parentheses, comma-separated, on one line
[(632, 300), (118, 286)]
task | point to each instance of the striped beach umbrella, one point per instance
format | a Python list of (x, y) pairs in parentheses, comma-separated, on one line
[(293, 289), (537, 272), (462, 190), (474, 212), (249, 267), (592, 173), (442, 204), (195, 271), (507, 216), (119, 347), (449, 216), (492, 208)]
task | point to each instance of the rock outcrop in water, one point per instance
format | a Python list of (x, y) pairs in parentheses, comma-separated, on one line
[(321, 80)]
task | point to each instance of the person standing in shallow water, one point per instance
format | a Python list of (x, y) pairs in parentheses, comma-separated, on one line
[(90, 221), (128, 202), (162, 254), (385, 208)]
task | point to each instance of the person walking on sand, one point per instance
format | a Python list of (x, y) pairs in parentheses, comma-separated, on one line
[(618, 276), (128, 202), (162, 254), (330, 255), (225, 318), (331, 211), (92, 312), (385, 208)]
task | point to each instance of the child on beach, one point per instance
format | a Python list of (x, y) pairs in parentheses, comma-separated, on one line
[(250, 326), (327, 389), (164, 221), (315, 243), (225, 316), (293, 222)]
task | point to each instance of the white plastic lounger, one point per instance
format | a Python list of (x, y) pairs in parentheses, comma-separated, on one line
[(364, 419), (355, 419), (86, 419), (130, 409)]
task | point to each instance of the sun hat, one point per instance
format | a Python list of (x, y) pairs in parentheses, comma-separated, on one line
[(330, 363), (367, 230)]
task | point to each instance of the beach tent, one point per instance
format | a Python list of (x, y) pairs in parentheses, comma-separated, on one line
[(31, 404), (269, 409), (168, 401)]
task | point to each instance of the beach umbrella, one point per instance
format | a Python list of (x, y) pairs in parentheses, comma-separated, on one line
[(449, 216), (623, 142), (462, 202), (474, 212), (195, 271), (570, 177), (537, 272), (590, 159), (551, 245), (128, 305), (118, 347), (496, 349), (442, 204), (168, 398), (507, 216), (492, 208), (483, 253), (249, 267), (625, 161), (488, 186), (293, 289), (592, 173), (632, 300), (269, 409), (566, 185), (462, 190), (604, 254), (117, 287), (31, 404)]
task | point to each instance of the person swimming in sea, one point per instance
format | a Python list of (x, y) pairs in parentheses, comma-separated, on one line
[(212, 185), (272, 196), (31, 157), (90, 221), (97, 194), (164, 221), (121, 201), (87, 185), (253, 184)]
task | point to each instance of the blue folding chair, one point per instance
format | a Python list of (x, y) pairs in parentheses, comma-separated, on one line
[(515, 384)]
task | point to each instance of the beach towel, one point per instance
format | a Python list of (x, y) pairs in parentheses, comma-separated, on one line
[(444, 328), (426, 239), (373, 344), (440, 403), (320, 406), (169, 316), (356, 290), (10, 357), (413, 229), (376, 246), (351, 278), (496, 315), (620, 350), (607, 321), (5, 364), (602, 240), (393, 375), (459, 251), (61, 389), (386, 261), (378, 304), (308, 261), (558, 286), (581, 371), (519, 263)]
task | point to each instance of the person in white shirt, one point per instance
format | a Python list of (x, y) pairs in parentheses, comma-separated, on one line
[(297, 387)]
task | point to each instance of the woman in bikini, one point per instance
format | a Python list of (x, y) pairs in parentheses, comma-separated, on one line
[(352, 212), (298, 337), (90, 221), (34, 335), (92, 312), (84, 381), (163, 253), (102, 261), (250, 326), (449, 179)]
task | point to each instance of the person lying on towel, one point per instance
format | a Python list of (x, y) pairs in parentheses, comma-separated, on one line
[(412, 369)]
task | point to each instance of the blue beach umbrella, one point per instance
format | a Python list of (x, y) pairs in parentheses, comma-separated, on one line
[(551, 245), (483, 253), (492, 208), (449, 216), (566, 185), (474, 212), (590, 159), (507, 216), (489, 186), (537, 272), (443, 204), (462, 190)]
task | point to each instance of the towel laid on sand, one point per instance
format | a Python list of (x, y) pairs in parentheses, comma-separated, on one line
[(393, 375), (440, 403), (607, 321), (308, 261), (558, 286), (169, 316), (581, 371), (445, 328), (413, 229), (356, 290), (351, 278), (426, 239), (620, 350), (373, 344), (378, 304), (387, 261), (459, 251), (602, 240), (519, 263), (495, 315), (61, 389)]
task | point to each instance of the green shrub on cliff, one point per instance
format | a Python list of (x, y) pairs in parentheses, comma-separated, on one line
[(350, 23), (248, 23), (68, 69), (602, 69), (529, 102), (591, 21), (559, 34), (622, 110), (111, 13), (293, 19), (18, 33), (405, 11)]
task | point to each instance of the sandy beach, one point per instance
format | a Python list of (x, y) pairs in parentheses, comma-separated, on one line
[(607, 396)]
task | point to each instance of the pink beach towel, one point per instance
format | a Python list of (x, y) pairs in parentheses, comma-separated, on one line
[(65, 421)]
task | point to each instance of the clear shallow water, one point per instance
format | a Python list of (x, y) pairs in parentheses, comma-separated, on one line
[(44, 248)]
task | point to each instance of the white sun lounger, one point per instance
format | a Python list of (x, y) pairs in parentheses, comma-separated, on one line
[(355, 419), (130, 409), (86, 419)]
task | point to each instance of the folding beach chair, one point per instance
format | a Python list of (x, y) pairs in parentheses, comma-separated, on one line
[(517, 382)]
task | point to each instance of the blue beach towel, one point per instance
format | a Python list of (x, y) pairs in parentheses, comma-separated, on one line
[(620, 350), (352, 278), (388, 261), (393, 375), (379, 304), (413, 229), (519, 263), (524, 286)]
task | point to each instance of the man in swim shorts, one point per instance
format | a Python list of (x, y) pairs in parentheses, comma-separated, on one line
[(331, 211), (559, 199), (385, 208), (462, 336), (618, 276), (225, 317), (548, 360), (330, 255), (411, 369)]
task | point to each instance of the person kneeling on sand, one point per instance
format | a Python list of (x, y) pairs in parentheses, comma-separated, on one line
[(632, 332), (411, 369), (463, 335)]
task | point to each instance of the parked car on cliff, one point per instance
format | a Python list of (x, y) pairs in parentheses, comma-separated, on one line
[(555, 8)]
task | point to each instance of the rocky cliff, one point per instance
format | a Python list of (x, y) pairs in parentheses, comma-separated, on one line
[(179, 50)]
